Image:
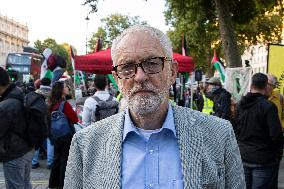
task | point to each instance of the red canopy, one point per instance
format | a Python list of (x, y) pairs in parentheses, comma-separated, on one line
[(185, 63), (101, 63)]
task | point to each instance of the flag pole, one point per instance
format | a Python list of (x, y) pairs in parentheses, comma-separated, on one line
[(73, 66)]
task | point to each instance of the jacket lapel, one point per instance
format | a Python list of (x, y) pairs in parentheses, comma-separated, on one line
[(113, 155), (190, 142)]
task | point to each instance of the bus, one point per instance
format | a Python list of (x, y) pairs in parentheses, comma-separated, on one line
[(27, 65)]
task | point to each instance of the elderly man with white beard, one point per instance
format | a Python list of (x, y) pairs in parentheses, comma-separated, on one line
[(152, 144)]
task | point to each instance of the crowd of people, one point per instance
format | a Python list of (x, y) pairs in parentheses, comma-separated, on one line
[(135, 142)]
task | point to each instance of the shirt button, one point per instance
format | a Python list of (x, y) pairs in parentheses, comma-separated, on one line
[(151, 151), (151, 185)]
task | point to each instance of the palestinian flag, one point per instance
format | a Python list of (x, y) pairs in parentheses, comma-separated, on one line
[(44, 71), (219, 66), (76, 77)]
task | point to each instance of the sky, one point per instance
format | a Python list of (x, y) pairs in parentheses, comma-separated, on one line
[(64, 20)]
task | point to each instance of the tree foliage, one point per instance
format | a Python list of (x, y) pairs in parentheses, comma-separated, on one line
[(111, 27), (60, 49), (92, 4), (253, 21)]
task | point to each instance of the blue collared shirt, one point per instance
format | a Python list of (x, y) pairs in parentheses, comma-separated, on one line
[(154, 162)]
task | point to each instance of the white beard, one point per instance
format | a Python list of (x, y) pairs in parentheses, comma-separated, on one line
[(144, 104)]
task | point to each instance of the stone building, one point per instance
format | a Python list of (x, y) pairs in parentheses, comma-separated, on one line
[(256, 55), (13, 37)]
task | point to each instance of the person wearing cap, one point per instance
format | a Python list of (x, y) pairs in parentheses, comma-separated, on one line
[(152, 144), (220, 97), (277, 99)]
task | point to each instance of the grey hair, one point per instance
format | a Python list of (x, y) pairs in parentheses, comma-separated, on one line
[(273, 78), (164, 40)]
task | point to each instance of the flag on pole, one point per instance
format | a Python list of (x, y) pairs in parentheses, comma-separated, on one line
[(44, 71), (219, 66), (99, 45), (72, 58), (73, 66), (183, 45)]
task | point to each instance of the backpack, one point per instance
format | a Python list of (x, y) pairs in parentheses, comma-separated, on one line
[(104, 109), (60, 125), (36, 112)]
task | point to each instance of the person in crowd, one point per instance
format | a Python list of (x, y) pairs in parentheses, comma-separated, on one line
[(90, 105), (37, 84), (45, 91), (136, 148), (277, 99), (259, 135), (220, 97), (62, 144), (57, 64), (15, 152), (206, 103)]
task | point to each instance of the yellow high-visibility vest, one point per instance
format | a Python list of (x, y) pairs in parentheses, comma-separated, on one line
[(208, 105), (276, 99)]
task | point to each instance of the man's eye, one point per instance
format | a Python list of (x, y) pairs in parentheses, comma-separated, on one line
[(127, 67), (153, 62)]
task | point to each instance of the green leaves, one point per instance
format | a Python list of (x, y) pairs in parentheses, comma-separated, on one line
[(111, 27), (254, 21)]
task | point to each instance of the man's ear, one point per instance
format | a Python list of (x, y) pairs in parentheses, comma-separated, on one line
[(114, 76)]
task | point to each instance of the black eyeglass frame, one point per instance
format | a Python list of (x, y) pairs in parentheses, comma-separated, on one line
[(163, 59)]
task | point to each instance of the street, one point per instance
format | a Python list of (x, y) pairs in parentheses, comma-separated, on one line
[(40, 176)]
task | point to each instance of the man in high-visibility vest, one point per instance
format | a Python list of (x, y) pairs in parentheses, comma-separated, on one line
[(207, 103)]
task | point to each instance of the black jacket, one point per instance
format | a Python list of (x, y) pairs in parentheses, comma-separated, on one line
[(222, 102), (12, 125), (258, 130)]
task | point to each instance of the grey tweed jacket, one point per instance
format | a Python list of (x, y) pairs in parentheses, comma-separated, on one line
[(208, 151)]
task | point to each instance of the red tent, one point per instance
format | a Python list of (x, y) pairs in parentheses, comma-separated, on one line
[(101, 63)]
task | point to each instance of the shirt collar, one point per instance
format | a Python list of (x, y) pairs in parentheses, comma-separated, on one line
[(101, 92), (130, 127)]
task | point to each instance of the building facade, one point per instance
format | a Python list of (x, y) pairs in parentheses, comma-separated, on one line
[(13, 37), (256, 55)]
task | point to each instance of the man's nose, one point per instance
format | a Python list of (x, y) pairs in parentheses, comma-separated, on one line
[(140, 75)]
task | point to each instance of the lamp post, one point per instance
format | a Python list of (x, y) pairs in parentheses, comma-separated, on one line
[(87, 22)]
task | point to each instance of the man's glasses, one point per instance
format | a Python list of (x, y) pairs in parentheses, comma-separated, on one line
[(150, 66)]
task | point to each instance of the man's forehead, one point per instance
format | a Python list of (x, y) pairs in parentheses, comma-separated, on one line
[(139, 44), (139, 39)]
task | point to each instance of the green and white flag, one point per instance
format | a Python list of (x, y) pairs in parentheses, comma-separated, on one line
[(238, 81)]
